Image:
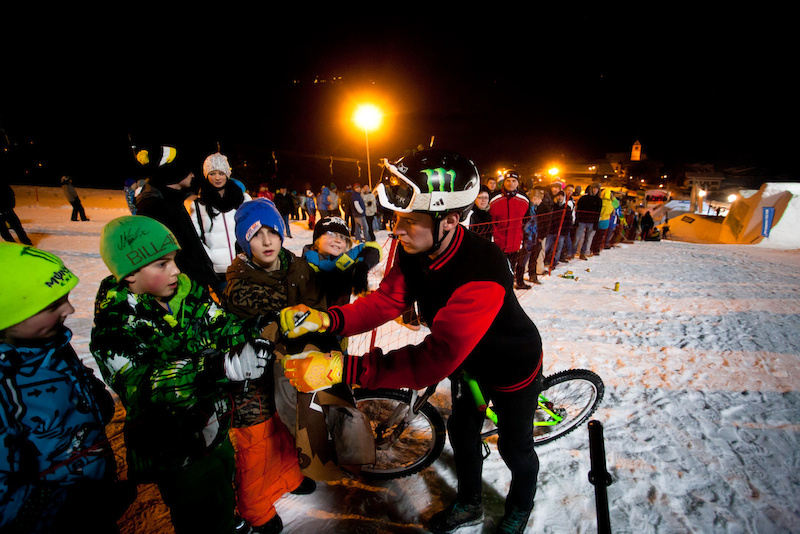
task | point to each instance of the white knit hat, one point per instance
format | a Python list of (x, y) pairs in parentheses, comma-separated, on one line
[(216, 162)]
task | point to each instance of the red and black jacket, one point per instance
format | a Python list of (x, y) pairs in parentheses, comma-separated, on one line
[(466, 297)]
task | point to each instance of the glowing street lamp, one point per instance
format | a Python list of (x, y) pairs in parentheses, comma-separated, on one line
[(368, 117)]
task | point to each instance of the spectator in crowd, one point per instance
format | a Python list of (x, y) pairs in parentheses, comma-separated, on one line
[(8, 218), (570, 226), (555, 237), (311, 209), (647, 226), (509, 211), (72, 197), (333, 195), (167, 186), (213, 215), (371, 210), (285, 204), (491, 187), (479, 220), (587, 213), (363, 231), (606, 209)]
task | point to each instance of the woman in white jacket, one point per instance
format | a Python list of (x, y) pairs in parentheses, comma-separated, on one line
[(212, 214)]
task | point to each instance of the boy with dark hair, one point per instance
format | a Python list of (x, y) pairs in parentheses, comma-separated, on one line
[(171, 353), (57, 469)]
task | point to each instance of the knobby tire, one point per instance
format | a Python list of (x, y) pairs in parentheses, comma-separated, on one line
[(418, 446)]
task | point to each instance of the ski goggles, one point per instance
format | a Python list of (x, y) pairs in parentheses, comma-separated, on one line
[(398, 193), (395, 191)]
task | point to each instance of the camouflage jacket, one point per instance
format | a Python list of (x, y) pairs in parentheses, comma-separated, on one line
[(253, 291), (166, 366)]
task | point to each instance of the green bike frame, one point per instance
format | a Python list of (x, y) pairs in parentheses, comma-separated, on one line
[(544, 405)]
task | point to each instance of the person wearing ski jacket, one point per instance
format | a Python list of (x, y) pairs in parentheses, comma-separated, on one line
[(603, 222), (213, 213), (57, 468), (168, 181), (509, 212), (587, 213), (172, 354), (464, 292)]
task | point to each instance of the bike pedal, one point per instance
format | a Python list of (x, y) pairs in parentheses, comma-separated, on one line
[(486, 450)]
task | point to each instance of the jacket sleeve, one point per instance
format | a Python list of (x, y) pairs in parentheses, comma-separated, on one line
[(455, 331)]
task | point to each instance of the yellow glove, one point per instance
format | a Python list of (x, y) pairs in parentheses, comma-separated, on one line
[(313, 370), (299, 320)]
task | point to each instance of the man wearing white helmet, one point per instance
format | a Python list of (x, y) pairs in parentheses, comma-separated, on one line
[(463, 287)]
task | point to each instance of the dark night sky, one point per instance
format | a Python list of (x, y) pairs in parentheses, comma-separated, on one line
[(692, 88)]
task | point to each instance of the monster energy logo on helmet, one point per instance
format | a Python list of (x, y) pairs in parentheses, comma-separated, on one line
[(440, 179), (429, 181)]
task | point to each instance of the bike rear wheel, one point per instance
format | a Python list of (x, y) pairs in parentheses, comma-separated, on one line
[(573, 395), (400, 451)]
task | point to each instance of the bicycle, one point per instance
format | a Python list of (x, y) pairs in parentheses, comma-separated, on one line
[(410, 432)]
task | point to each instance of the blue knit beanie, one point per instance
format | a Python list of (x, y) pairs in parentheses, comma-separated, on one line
[(251, 216)]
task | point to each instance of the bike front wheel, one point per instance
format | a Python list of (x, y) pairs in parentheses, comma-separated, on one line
[(402, 447), (568, 399)]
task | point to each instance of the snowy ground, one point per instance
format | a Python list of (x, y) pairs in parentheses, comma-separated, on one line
[(699, 352)]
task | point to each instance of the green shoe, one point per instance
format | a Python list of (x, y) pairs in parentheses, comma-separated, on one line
[(514, 522), (455, 516)]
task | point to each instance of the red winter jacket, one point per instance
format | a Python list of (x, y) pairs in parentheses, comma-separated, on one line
[(467, 299), (509, 211)]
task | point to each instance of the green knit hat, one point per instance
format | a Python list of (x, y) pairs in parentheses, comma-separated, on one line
[(31, 280), (129, 243)]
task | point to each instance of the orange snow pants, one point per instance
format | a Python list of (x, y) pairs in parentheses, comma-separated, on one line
[(266, 468)]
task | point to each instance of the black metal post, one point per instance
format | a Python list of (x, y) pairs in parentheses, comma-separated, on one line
[(599, 476)]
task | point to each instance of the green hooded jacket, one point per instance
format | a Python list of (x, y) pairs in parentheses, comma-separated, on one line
[(166, 367)]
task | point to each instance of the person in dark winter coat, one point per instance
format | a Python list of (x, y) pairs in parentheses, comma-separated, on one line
[(647, 225), (8, 201), (285, 204), (570, 226), (57, 468), (587, 215), (479, 219), (555, 237), (533, 242), (162, 198)]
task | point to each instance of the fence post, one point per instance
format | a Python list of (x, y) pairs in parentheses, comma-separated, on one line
[(599, 476)]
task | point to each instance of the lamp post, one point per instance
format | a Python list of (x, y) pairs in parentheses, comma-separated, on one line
[(368, 117)]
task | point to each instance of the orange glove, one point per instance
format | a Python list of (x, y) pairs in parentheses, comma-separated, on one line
[(299, 320), (313, 370)]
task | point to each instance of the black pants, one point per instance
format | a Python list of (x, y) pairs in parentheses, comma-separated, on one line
[(515, 441), (13, 222), (518, 260), (77, 209)]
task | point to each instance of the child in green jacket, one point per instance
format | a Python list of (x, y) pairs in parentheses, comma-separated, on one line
[(171, 354)]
